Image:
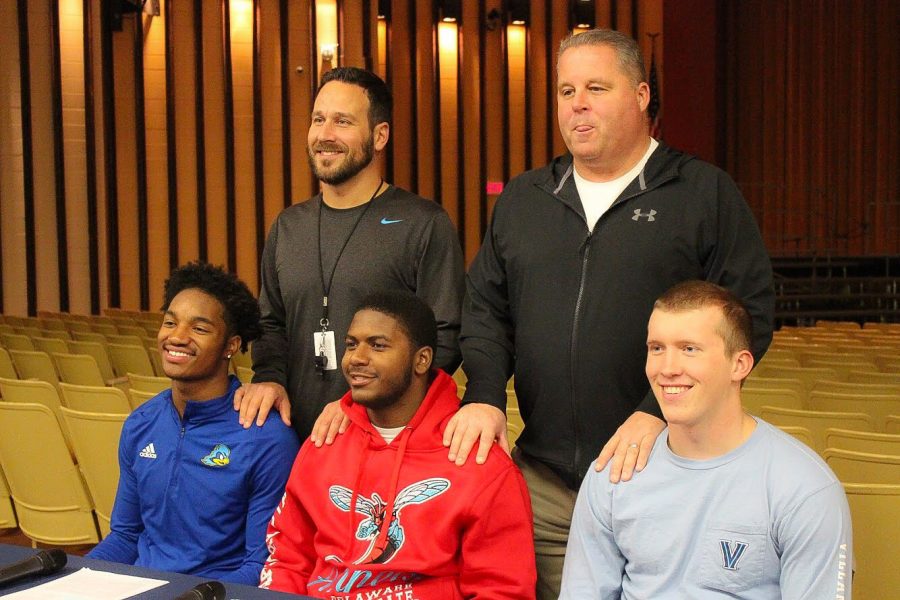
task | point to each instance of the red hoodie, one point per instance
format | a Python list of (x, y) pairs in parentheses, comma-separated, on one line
[(366, 520)]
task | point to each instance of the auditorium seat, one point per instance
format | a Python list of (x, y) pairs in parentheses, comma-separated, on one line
[(52, 504), (87, 398), (16, 341), (862, 441), (49, 345), (127, 358), (7, 369), (148, 383), (877, 406), (514, 425), (7, 514), (80, 369), (817, 422), (753, 399), (138, 397), (244, 374), (875, 511), (31, 364), (863, 467), (801, 433), (96, 440), (100, 354)]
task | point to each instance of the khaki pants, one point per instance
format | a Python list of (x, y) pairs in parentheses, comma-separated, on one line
[(552, 503)]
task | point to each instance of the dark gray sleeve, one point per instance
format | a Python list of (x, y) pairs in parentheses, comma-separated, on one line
[(487, 329), (270, 351), (440, 281)]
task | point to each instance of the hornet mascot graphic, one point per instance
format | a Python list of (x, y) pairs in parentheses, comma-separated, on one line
[(375, 508)]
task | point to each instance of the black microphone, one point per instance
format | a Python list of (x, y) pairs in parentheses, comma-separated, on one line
[(208, 590), (44, 562)]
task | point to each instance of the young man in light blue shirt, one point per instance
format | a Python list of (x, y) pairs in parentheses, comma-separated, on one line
[(728, 506)]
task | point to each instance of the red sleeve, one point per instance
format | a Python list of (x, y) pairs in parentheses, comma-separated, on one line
[(289, 538), (498, 546)]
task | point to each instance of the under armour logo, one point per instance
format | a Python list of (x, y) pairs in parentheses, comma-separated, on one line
[(638, 214), (731, 554)]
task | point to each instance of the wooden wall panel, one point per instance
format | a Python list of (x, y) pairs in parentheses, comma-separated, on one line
[(45, 225), (157, 147), (185, 78), (12, 185), (179, 137), (78, 219), (807, 106)]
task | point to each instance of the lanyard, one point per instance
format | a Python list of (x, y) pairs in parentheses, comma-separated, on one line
[(326, 287)]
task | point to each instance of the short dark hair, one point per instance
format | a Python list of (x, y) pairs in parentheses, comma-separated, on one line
[(239, 308), (629, 55), (412, 313), (736, 328), (381, 103)]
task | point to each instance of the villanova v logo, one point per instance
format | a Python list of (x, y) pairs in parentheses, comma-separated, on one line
[(650, 216), (731, 555)]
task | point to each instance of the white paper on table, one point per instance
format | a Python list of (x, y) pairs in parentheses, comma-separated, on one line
[(88, 584)]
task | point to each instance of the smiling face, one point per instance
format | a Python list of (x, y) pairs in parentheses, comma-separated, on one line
[(383, 368), (601, 111), (194, 343), (341, 142), (693, 378)]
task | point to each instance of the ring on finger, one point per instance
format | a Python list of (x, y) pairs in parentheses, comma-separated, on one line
[(632, 445)]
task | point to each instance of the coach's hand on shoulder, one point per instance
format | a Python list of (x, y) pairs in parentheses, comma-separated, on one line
[(475, 422), (331, 422), (629, 448), (257, 399)]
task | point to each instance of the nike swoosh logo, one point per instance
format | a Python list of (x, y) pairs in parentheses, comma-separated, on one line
[(386, 221)]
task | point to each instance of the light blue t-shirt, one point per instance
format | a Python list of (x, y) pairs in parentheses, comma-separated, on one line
[(767, 520)]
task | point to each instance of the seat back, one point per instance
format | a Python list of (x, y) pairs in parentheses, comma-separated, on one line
[(138, 397), (753, 399), (816, 422), (16, 341), (49, 344), (807, 375), (801, 433), (7, 368), (32, 364), (848, 387), (878, 406), (100, 354), (875, 510), (87, 398), (89, 336), (843, 366), (80, 369), (128, 358), (7, 514), (891, 377), (244, 374), (96, 440), (863, 467), (148, 383), (514, 424), (51, 501), (862, 441)]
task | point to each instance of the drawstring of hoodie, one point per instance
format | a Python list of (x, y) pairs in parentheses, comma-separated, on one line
[(381, 542), (360, 469)]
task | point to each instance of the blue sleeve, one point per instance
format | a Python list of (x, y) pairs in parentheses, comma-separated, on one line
[(121, 545), (277, 447), (816, 542), (594, 566)]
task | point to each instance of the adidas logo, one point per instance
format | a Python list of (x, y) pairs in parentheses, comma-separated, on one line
[(148, 452)]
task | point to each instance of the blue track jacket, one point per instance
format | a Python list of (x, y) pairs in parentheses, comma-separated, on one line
[(195, 494)]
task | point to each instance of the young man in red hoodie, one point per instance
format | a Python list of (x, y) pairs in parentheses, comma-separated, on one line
[(381, 514)]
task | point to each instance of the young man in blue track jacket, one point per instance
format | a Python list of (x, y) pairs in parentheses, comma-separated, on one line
[(196, 489)]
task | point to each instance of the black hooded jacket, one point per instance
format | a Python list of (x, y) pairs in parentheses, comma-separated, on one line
[(566, 309)]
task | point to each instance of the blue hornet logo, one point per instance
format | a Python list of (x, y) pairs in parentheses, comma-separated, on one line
[(219, 457)]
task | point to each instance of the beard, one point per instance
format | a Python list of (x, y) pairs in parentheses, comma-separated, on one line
[(393, 390), (353, 162)]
